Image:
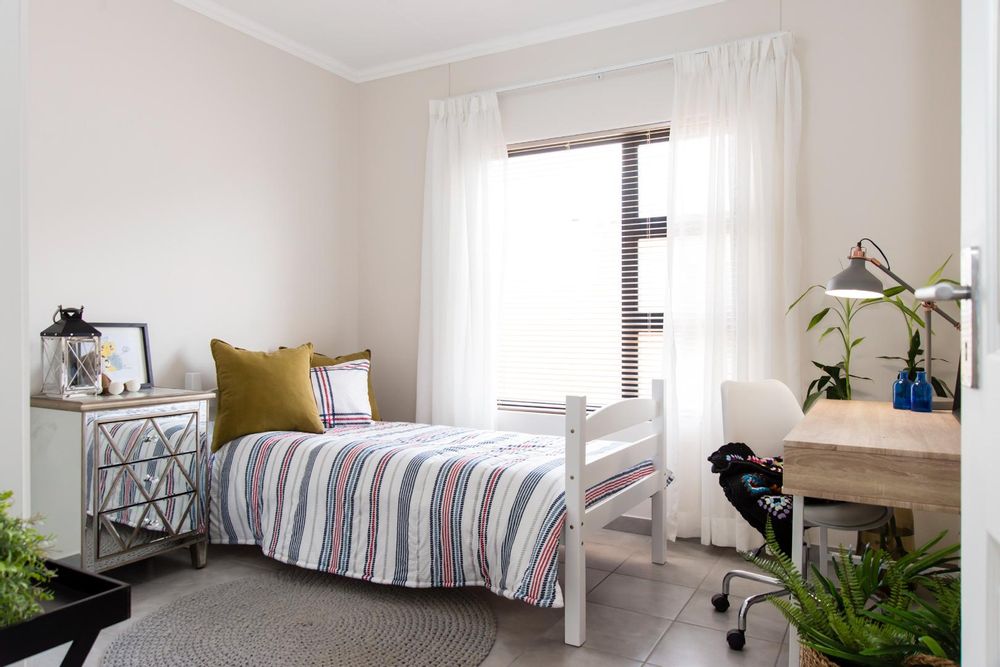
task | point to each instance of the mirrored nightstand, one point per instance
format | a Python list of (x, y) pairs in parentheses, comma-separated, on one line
[(121, 478)]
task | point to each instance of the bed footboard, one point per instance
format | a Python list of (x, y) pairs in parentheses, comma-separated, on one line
[(641, 420)]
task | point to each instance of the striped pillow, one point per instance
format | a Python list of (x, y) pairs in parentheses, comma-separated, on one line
[(341, 393)]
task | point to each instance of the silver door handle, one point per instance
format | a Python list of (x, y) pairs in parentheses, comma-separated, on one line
[(944, 292)]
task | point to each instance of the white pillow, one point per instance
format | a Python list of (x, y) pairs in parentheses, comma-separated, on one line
[(341, 393)]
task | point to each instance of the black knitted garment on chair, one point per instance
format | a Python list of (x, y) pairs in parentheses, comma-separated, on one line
[(753, 486)]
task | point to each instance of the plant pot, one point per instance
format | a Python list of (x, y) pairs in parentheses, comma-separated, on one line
[(810, 658), (928, 661)]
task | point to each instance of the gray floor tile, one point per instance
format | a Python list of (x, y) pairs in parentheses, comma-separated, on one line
[(606, 557), (507, 649), (782, 660), (594, 577), (618, 631), (620, 538), (519, 621), (763, 622), (694, 646), (655, 598), (559, 654), (683, 567)]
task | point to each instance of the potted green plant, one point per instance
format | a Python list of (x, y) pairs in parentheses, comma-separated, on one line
[(835, 382), (880, 612), (23, 573), (913, 361)]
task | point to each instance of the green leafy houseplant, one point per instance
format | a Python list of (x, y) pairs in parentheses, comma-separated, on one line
[(881, 612), (22, 567), (913, 360), (835, 383), (914, 323)]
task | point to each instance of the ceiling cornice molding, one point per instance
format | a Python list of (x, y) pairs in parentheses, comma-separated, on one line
[(227, 17), (644, 12), (614, 19)]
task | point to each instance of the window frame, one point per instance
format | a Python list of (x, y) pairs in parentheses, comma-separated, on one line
[(634, 229)]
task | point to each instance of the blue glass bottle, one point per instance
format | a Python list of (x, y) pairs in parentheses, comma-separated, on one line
[(901, 391), (921, 394)]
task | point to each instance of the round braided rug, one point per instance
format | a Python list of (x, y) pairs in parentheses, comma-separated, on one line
[(309, 618)]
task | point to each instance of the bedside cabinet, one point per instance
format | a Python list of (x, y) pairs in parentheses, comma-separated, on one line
[(120, 478)]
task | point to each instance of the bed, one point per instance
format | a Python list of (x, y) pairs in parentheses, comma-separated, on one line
[(436, 506)]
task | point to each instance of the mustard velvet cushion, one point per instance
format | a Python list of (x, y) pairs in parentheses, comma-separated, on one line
[(323, 360), (263, 391)]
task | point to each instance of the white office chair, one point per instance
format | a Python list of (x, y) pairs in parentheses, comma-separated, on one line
[(761, 414)]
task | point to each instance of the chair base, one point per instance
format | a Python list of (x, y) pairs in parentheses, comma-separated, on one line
[(736, 638)]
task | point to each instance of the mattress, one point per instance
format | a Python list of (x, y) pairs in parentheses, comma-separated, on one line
[(405, 504)]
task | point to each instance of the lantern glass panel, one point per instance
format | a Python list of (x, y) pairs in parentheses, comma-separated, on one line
[(71, 366)]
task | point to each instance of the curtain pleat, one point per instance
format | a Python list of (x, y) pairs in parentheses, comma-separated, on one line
[(460, 261), (734, 258)]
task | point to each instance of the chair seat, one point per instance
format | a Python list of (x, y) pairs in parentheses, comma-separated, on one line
[(846, 516)]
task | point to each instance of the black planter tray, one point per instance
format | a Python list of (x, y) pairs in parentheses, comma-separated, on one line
[(83, 605)]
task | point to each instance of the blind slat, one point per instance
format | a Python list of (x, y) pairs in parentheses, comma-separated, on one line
[(585, 270)]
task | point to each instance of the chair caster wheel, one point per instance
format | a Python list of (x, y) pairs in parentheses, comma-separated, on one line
[(720, 601), (736, 639)]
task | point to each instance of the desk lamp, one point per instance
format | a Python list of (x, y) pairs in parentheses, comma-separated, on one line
[(856, 282)]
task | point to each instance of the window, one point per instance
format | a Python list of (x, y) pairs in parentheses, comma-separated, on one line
[(584, 270)]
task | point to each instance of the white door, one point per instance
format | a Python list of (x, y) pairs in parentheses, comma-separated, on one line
[(981, 405)]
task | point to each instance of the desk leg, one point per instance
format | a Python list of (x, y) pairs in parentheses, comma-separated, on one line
[(798, 509)]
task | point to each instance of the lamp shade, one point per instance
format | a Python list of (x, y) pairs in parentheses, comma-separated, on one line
[(855, 282)]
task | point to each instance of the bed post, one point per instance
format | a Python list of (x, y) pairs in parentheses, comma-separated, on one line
[(576, 571), (658, 500)]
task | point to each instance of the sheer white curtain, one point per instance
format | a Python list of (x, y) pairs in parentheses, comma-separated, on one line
[(463, 200), (733, 257)]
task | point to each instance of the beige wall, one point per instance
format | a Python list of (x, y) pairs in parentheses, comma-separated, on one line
[(183, 174), (880, 153), (880, 149)]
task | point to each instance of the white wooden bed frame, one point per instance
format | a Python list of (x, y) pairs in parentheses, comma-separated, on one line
[(643, 416)]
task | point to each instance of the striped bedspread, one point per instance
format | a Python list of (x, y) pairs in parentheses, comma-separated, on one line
[(405, 504)]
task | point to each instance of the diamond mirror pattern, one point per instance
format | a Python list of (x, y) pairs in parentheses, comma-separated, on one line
[(146, 481)]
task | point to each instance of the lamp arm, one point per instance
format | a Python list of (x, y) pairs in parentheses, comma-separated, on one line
[(909, 288)]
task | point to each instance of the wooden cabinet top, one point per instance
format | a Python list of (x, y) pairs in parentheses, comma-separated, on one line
[(128, 399)]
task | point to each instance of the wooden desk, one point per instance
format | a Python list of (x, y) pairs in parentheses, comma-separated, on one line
[(867, 452)]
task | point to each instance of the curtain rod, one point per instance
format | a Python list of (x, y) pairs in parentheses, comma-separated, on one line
[(617, 68)]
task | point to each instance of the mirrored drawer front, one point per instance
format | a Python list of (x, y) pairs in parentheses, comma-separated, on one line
[(124, 529), (146, 438), (125, 485)]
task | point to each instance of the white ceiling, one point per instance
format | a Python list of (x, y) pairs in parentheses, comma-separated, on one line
[(369, 39)]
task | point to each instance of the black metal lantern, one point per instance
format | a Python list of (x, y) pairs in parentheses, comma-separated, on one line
[(71, 356)]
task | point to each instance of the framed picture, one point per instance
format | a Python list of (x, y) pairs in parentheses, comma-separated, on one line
[(125, 352)]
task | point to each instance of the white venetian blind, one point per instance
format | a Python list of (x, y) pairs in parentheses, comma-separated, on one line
[(584, 270)]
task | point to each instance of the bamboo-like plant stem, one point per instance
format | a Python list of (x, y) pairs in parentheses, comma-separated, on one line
[(848, 314)]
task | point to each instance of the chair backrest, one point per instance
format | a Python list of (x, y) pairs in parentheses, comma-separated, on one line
[(760, 414)]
